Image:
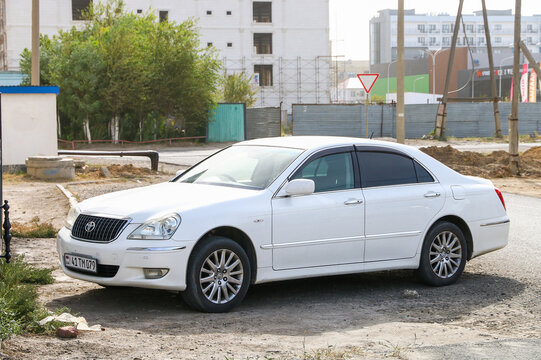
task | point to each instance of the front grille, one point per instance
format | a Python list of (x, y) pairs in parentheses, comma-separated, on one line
[(107, 271), (97, 228)]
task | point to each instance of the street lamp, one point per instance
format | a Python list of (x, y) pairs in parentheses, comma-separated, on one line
[(433, 54), (509, 57), (414, 81), (388, 68)]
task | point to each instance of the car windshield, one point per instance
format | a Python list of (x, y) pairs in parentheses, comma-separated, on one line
[(252, 167)]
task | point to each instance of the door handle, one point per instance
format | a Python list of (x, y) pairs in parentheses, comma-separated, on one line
[(432, 194), (353, 202)]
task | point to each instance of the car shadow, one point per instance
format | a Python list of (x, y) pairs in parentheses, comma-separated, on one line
[(298, 307)]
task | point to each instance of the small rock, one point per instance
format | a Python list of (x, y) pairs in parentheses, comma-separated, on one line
[(105, 172), (409, 294), (67, 332)]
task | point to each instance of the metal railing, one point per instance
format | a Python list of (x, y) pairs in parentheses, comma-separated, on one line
[(122, 142)]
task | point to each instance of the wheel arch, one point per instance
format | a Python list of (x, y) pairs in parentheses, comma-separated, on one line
[(458, 221), (238, 236)]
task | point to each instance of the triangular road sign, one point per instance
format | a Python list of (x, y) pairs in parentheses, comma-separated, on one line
[(367, 80)]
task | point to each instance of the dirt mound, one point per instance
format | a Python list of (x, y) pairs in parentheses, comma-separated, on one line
[(493, 165), (129, 170)]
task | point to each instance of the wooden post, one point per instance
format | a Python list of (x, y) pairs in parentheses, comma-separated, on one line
[(513, 118), (34, 77), (498, 129), (442, 110), (400, 125), (530, 58)]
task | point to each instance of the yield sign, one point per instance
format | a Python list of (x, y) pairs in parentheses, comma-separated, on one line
[(367, 80)]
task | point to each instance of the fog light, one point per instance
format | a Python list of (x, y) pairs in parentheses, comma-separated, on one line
[(153, 273)]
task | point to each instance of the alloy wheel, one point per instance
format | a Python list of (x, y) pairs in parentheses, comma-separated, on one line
[(445, 254), (221, 276)]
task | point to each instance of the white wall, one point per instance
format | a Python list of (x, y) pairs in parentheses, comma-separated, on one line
[(28, 127)]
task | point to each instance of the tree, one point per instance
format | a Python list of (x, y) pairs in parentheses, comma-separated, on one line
[(237, 88), (123, 70)]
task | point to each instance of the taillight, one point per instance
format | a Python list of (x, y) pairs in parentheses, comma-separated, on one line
[(501, 197)]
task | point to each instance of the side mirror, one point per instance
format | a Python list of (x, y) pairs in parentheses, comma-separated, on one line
[(300, 187)]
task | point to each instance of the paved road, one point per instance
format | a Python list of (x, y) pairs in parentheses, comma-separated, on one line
[(188, 156)]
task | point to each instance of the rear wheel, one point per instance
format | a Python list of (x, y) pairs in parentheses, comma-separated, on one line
[(218, 276), (443, 256)]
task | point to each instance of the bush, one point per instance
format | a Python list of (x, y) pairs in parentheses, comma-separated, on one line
[(33, 229), (19, 306)]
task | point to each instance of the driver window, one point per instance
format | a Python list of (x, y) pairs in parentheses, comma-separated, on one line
[(329, 173)]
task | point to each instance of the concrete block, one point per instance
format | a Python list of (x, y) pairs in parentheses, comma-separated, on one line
[(50, 168)]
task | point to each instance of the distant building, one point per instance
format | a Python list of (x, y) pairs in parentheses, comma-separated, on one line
[(284, 44), (430, 32), (349, 91)]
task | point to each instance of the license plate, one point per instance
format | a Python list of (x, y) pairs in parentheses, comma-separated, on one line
[(81, 263)]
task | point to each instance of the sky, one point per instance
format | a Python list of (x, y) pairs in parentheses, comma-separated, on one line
[(349, 19)]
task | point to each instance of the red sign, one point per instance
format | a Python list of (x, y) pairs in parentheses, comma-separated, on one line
[(367, 80)]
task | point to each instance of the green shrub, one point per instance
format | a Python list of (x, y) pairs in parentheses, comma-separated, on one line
[(19, 306)]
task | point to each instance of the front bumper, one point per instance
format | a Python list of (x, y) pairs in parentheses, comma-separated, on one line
[(131, 257)]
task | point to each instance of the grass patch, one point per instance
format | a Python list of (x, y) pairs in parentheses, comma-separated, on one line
[(33, 229), (19, 306)]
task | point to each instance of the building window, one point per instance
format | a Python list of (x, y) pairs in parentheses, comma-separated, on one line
[(446, 41), (421, 28), (229, 44), (421, 40), (139, 11), (209, 12), (262, 11), (432, 28), (498, 27), (469, 27), (445, 28), (265, 74), (209, 44), (164, 15), (78, 7), (481, 41), (498, 40), (433, 41), (263, 43), (228, 12), (480, 29), (529, 27)]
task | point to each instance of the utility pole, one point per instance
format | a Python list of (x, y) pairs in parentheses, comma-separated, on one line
[(513, 118), (442, 109), (400, 126), (492, 77), (34, 78)]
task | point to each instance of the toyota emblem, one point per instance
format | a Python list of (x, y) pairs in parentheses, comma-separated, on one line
[(89, 227)]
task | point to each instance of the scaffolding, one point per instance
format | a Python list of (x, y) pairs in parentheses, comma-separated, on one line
[(295, 81)]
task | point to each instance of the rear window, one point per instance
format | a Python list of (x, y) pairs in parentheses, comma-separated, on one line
[(384, 169)]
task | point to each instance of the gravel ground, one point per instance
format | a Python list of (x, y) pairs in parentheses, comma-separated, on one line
[(493, 312)]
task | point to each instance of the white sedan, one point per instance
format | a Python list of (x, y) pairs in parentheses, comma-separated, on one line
[(285, 208)]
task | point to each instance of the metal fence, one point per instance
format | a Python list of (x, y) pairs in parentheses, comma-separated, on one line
[(463, 119), (262, 122)]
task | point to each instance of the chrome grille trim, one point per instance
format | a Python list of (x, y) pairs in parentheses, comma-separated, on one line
[(106, 229)]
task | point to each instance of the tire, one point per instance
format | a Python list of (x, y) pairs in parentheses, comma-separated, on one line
[(443, 255), (218, 276)]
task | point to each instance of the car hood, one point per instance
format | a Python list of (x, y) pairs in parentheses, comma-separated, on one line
[(144, 203)]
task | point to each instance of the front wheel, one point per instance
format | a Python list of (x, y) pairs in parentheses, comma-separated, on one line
[(443, 256), (218, 276)]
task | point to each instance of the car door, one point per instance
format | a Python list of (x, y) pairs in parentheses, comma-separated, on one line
[(326, 227), (401, 199)]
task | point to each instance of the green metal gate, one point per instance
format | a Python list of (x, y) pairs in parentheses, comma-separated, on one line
[(227, 122)]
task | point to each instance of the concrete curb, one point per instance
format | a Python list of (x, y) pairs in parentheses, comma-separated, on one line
[(72, 200)]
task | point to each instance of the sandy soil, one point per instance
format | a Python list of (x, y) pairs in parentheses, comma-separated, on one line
[(361, 316), (355, 316)]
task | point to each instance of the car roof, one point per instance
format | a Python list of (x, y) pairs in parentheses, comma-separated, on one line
[(316, 142)]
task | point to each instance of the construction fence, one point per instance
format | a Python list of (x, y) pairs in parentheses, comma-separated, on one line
[(463, 119)]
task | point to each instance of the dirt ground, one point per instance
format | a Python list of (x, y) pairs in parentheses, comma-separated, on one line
[(362, 316)]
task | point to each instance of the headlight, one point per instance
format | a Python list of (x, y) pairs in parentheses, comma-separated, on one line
[(72, 216), (157, 229)]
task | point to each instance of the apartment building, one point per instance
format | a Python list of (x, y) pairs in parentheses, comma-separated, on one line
[(285, 47)]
